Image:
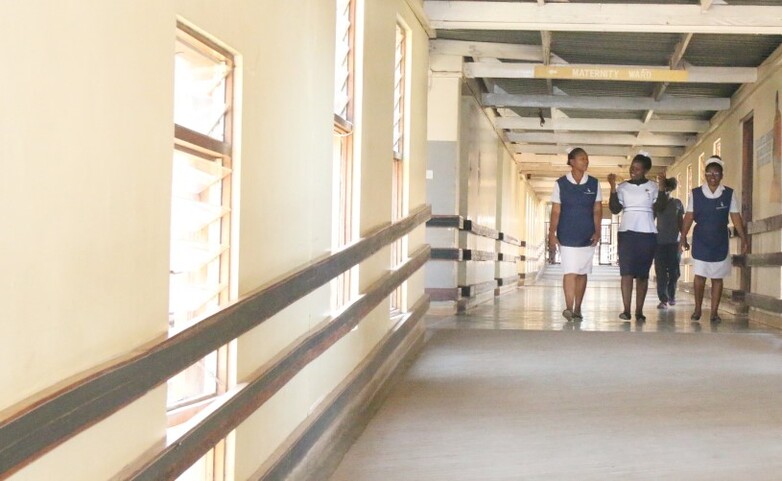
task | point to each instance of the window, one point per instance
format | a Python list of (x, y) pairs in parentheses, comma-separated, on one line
[(700, 168), (398, 183), (689, 177), (201, 216), (345, 211), (679, 188), (717, 147)]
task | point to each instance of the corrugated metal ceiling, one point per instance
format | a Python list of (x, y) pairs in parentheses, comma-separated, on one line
[(651, 48)]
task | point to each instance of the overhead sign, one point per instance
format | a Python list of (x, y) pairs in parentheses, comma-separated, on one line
[(610, 73)]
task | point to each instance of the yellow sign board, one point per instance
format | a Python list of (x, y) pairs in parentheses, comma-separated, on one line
[(611, 73)]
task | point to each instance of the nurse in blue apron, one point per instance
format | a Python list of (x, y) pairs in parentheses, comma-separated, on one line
[(710, 206)]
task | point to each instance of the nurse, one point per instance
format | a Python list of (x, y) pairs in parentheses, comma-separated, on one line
[(637, 198), (576, 211), (710, 206)]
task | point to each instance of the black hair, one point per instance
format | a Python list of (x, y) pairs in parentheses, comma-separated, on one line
[(573, 153), (715, 165), (670, 184), (644, 160), (709, 164)]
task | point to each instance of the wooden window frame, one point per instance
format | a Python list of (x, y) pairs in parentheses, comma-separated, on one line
[(345, 286), (399, 150), (210, 149)]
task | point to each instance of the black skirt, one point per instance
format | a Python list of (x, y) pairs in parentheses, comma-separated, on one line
[(636, 253)]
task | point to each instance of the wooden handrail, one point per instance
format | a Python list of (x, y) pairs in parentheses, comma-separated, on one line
[(459, 222), (43, 425), (768, 224), (178, 457), (769, 259)]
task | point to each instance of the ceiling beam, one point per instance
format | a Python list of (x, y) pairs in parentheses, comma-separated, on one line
[(602, 139), (627, 73), (594, 160), (601, 125), (614, 150), (671, 104), (530, 53), (417, 6), (604, 17), (543, 172)]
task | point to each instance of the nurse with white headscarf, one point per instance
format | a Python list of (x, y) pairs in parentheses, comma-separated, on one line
[(710, 206)]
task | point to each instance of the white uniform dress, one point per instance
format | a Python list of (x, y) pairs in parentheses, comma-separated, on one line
[(720, 269), (576, 260)]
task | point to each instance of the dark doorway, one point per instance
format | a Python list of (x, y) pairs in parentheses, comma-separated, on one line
[(747, 163)]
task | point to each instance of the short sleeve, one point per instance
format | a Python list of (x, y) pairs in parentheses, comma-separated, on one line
[(555, 194), (599, 196), (734, 204)]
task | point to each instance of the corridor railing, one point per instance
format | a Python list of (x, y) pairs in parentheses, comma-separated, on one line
[(31, 432), (465, 294), (767, 259)]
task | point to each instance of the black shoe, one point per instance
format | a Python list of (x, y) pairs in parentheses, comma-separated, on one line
[(625, 316), (715, 319), (640, 317), (695, 317)]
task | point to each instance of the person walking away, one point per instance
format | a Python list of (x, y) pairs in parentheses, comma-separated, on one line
[(576, 212), (667, 257), (637, 199), (710, 206)]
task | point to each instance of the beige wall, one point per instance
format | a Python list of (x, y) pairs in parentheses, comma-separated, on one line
[(85, 147), (86, 153), (755, 101)]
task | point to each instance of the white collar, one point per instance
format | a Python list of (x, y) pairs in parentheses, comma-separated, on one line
[(712, 195), (572, 180)]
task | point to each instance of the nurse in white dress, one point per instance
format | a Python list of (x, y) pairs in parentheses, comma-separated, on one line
[(710, 206), (576, 212)]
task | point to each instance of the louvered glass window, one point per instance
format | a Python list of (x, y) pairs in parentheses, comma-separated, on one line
[(399, 91), (200, 204), (343, 61), (398, 180), (344, 212)]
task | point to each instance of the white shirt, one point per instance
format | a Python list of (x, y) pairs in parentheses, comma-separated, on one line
[(734, 205), (569, 176), (637, 206)]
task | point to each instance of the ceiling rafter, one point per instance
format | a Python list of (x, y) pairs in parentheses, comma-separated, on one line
[(676, 104), (572, 17), (675, 64), (505, 51), (663, 119), (601, 125), (601, 138), (619, 73), (613, 150)]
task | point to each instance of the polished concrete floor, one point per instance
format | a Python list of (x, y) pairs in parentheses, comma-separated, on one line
[(510, 391), (539, 305)]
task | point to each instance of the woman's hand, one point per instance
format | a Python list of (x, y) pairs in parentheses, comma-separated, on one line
[(744, 247), (595, 238), (553, 241), (612, 181), (661, 181)]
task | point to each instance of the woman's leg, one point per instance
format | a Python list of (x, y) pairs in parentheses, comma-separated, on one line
[(641, 286), (699, 284), (569, 287), (581, 284), (716, 297), (661, 273), (627, 292)]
